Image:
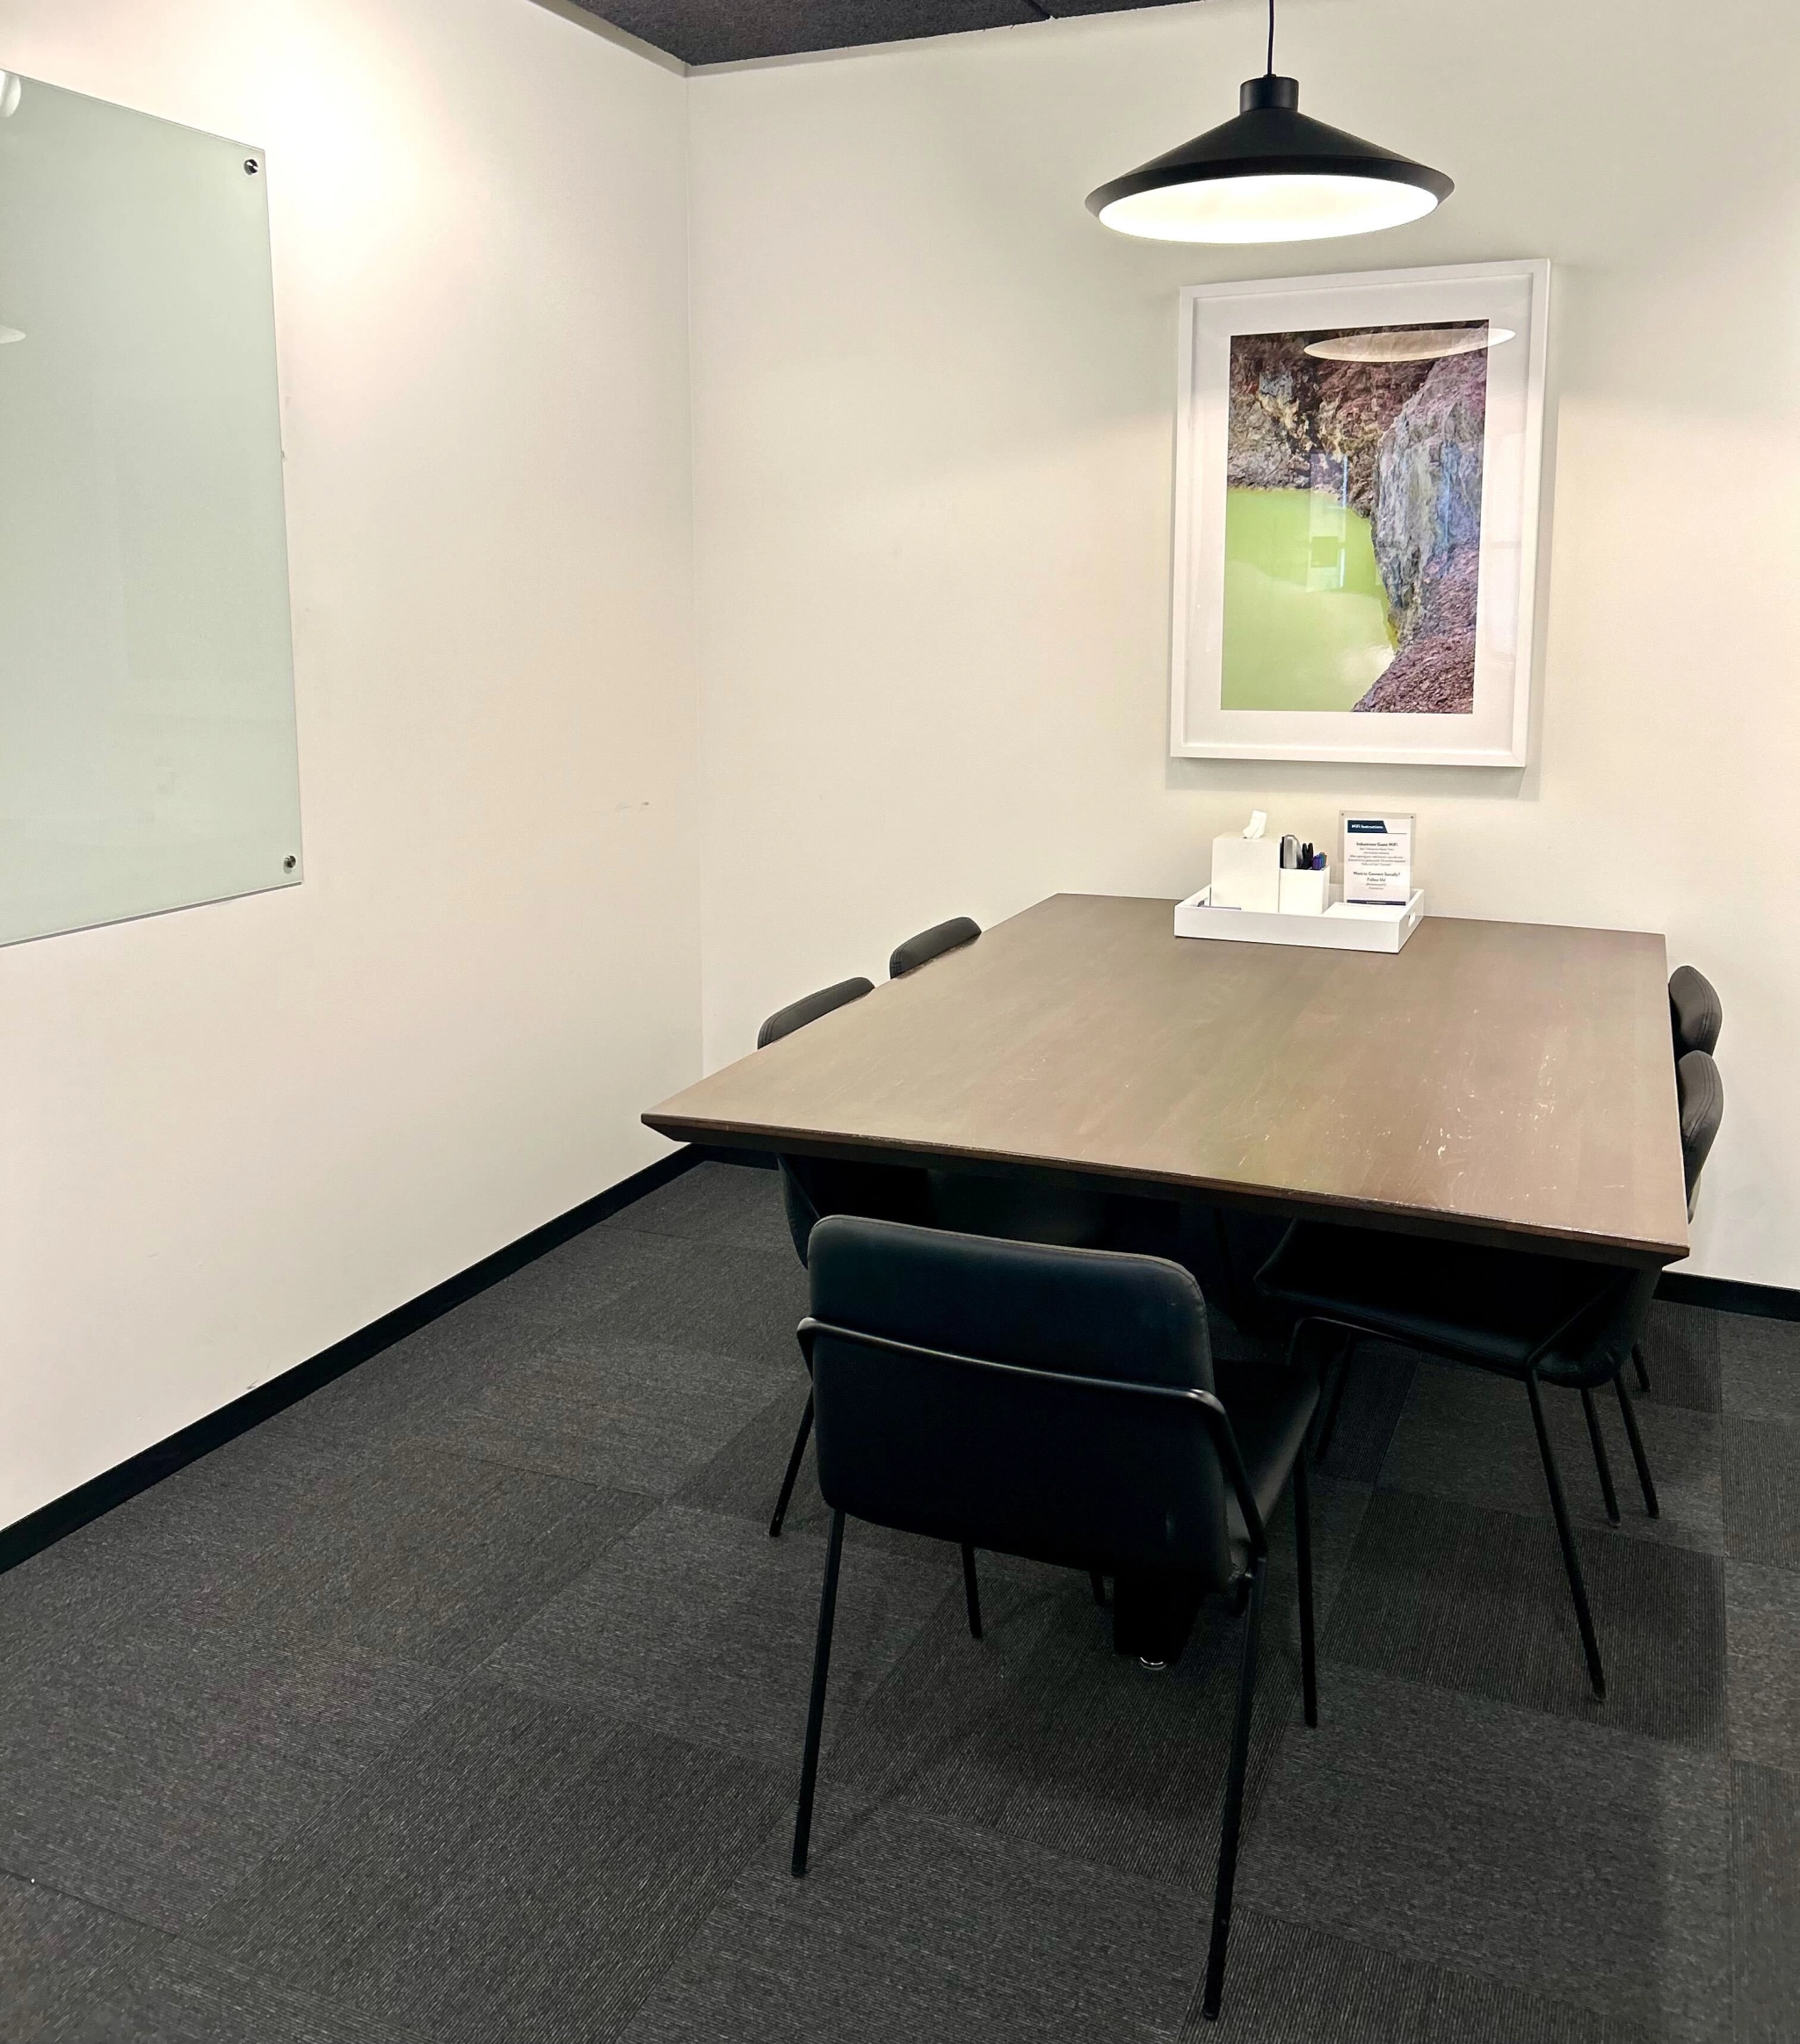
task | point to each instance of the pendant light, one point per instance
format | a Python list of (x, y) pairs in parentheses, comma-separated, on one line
[(1271, 174)]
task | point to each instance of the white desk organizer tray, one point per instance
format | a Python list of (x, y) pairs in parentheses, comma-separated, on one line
[(1344, 926)]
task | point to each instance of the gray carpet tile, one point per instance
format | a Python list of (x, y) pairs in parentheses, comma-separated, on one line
[(1762, 1490), (406, 1553), (1040, 1733), (742, 1479), (1469, 1435), (1566, 1860), (1290, 1985), (465, 1698), (618, 1414), (1761, 1360), (519, 1870), (1338, 1507), (1462, 1598), (72, 1974), (1762, 1664), (1682, 1353), (739, 1204), (914, 1930), (720, 1300), (152, 1752), (568, 1290), (1766, 1890), (1380, 1379), (703, 1625)]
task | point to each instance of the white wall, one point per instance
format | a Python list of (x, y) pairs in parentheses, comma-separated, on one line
[(933, 424), (230, 1135)]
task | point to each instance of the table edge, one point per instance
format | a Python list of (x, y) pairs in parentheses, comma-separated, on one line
[(1388, 1217)]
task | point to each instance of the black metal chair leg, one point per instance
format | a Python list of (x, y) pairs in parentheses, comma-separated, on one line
[(1643, 1374), (1571, 1563), (816, 1709), (1098, 1583), (1328, 1425), (1600, 1462), (1652, 1508), (1234, 1800), (972, 1591), (786, 1497), (1302, 1555)]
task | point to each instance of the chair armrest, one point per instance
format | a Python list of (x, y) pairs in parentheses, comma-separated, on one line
[(1218, 1422)]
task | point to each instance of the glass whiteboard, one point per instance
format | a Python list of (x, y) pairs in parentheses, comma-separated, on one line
[(147, 740)]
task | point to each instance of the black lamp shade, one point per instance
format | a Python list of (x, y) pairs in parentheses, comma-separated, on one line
[(1270, 175)]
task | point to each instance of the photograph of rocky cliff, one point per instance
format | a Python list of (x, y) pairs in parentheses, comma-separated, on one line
[(1352, 525)]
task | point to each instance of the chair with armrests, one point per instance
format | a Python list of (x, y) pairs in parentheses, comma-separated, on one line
[(815, 1186), (1058, 1405), (1542, 1320), (980, 1202)]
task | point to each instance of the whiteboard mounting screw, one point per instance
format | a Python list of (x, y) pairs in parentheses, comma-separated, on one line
[(289, 863), (251, 166)]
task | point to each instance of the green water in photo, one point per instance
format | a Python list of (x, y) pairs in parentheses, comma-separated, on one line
[(1306, 617)]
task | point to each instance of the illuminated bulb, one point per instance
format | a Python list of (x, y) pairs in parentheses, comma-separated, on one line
[(1280, 208)]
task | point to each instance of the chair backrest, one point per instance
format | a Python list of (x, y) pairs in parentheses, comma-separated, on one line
[(1046, 1401), (809, 1008), (797, 1197), (1696, 1014), (933, 943), (1701, 1094)]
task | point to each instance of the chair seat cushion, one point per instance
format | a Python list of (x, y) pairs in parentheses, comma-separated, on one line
[(1490, 1308)]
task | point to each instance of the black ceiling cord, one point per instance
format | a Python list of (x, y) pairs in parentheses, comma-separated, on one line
[(1271, 71)]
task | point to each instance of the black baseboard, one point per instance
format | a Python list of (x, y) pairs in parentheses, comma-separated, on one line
[(1729, 1295), (75, 1508)]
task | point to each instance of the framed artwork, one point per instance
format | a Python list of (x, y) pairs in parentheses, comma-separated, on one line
[(1356, 479)]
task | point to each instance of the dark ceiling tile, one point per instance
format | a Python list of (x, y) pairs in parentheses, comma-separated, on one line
[(1105, 6), (720, 31)]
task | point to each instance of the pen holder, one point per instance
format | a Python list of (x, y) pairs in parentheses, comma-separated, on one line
[(1306, 893)]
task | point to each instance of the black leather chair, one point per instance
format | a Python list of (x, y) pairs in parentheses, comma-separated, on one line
[(1701, 1094), (815, 1186), (1696, 1014), (1544, 1320), (1059, 1404)]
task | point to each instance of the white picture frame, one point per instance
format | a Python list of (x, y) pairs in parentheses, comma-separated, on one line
[(1496, 731)]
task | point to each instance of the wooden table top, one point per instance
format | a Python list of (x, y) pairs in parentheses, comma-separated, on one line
[(1501, 1081)]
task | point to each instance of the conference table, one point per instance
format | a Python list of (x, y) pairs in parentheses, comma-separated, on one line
[(1509, 1084), (1506, 1083)]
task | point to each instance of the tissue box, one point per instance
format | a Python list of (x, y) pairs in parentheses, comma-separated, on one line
[(1247, 874), (1306, 893)]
